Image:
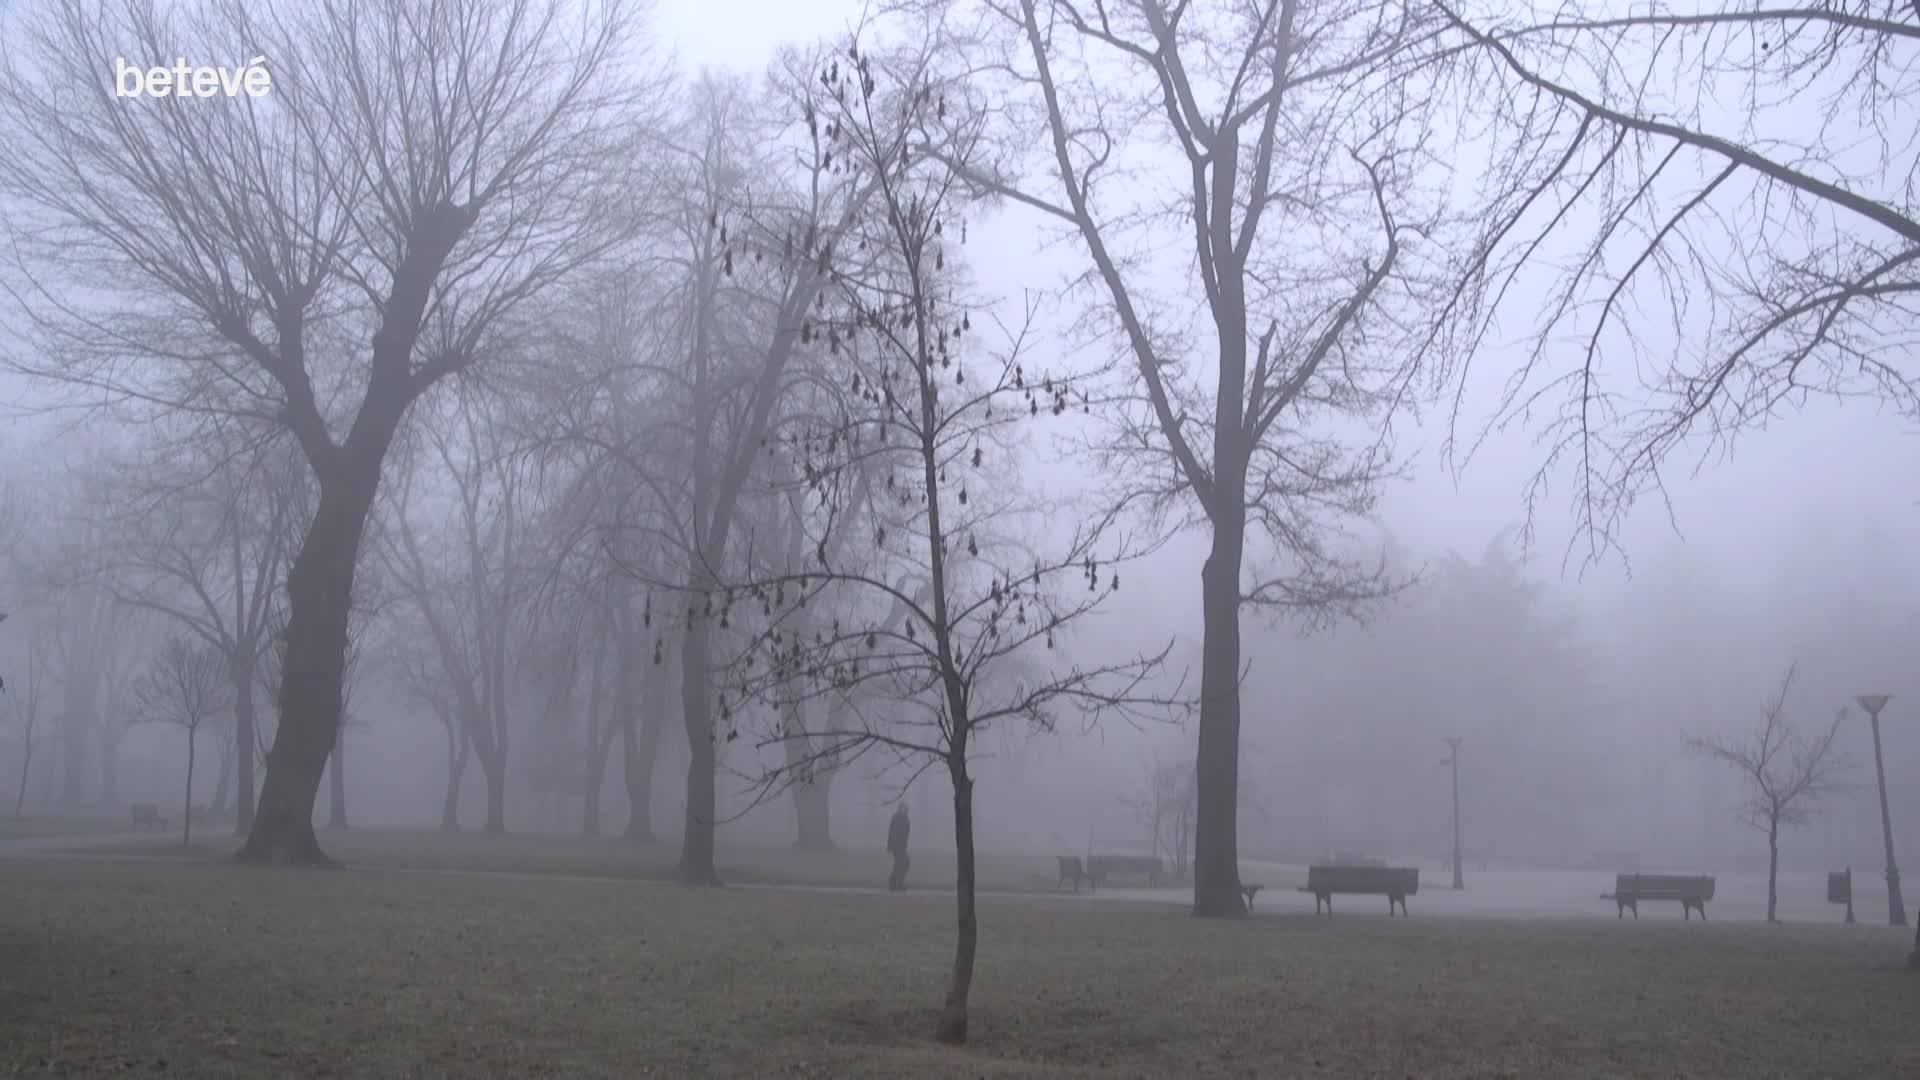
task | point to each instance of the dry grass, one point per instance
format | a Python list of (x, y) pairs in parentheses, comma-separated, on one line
[(193, 968)]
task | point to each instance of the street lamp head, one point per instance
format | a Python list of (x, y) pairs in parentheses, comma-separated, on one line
[(1873, 703)]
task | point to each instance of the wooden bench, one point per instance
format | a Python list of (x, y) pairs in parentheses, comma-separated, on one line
[(1396, 883), (1101, 868), (147, 814), (1692, 891)]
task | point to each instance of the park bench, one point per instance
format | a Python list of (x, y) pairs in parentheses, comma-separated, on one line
[(1692, 891), (148, 815), (1101, 868), (1396, 883)]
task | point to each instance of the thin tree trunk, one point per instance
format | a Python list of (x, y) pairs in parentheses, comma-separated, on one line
[(643, 729), (245, 726), (337, 790), (1773, 869), (1216, 870), (599, 738), (494, 766), (109, 768), (311, 685), (26, 762), (953, 1019), (186, 817)]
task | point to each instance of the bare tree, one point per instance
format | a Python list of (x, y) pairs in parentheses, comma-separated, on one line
[(1715, 204), (185, 686), (204, 541), (24, 699), (964, 654), (1786, 773), (1287, 142), (317, 261), (1167, 809)]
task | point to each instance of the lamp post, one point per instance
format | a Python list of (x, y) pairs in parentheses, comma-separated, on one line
[(1896, 908), (1453, 759)]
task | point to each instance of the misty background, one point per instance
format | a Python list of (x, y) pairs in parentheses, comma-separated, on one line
[(1574, 682)]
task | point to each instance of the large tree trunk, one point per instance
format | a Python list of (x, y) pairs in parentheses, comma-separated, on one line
[(953, 1019), (1216, 869), (813, 791), (697, 839), (494, 766), (812, 806), (244, 724), (457, 750), (223, 788), (337, 789), (319, 592)]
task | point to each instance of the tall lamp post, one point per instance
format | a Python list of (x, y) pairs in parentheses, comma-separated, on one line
[(1453, 759), (1896, 908)]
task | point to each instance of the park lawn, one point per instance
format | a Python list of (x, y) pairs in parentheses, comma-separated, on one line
[(36, 826), (554, 853), (204, 969)]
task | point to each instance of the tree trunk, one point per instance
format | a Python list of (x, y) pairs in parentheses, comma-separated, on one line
[(223, 788), (812, 794), (244, 725), (1773, 869), (642, 733), (26, 762), (953, 1019), (599, 737), (697, 839), (1216, 859), (186, 815), (74, 742), (812, 806), (319, 589), (337, 789), (457, 751), (109, 767), (495, 767)]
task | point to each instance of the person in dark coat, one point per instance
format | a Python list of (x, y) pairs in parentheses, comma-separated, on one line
[(897, 832)]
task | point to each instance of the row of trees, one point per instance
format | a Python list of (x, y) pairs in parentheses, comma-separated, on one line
[(697, 360)]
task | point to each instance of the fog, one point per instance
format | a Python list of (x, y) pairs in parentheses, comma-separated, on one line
[(1576, 675)]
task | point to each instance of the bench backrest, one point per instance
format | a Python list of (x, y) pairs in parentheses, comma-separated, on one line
[(1664, 886), (1069, 865), (1124, 864), (146, 812), (1364, 880)]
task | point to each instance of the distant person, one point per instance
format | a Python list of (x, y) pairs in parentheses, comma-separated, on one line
[(897, 833)]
